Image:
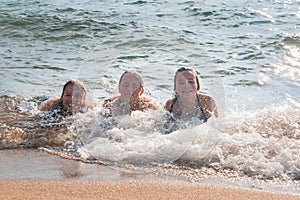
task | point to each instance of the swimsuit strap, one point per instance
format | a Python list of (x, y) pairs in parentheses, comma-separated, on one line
[(204, 117), (172, 104)]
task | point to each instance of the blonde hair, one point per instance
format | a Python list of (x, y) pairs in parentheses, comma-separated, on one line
[(134, 73)]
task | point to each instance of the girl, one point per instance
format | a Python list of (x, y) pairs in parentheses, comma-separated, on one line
[(188, 101), (72, 99), (130, 98)]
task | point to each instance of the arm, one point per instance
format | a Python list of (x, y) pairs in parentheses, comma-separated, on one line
[(209, 106), (150, 103), (173, 107), (50, 104), (109, 104), (138, 102), (167, 106)]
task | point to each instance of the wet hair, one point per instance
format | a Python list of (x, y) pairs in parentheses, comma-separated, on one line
[(73, 82), (134, 73), (190, 69)]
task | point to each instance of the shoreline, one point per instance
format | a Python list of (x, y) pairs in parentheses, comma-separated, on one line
[(34, 174)]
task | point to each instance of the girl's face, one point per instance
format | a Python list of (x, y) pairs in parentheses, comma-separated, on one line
[(186, 84), (73, 97), (129, 86)]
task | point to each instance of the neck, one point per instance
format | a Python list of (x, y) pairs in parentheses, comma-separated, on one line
[(124, 99), (188, 107)]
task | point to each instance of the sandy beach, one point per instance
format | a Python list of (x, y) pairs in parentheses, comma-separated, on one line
[(31, 174), (128, 189)]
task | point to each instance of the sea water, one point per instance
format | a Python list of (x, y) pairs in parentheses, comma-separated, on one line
[(246, 53)]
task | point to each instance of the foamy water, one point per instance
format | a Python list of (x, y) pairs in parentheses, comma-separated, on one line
[(260, 143), (140, 138)]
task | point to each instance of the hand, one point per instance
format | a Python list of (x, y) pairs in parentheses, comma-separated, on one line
[(136, 101)]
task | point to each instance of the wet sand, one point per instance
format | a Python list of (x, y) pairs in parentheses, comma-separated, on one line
[(128, 189), (29, 174)]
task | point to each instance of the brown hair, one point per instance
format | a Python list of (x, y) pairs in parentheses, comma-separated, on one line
[(73, 82)]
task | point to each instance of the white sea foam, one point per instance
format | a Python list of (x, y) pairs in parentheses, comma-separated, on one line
[(263, 143), (139, 138)]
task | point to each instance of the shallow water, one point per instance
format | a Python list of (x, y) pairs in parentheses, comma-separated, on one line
[(38, 165), (246, 53)]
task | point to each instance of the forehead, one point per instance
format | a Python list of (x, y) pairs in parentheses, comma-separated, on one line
[(185, 75), (130, 78), (73, 88)]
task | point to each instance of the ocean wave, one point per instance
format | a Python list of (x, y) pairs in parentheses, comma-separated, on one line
[(261, 143)]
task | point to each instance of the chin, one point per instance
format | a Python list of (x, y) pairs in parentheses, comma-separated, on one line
[(190, 93)]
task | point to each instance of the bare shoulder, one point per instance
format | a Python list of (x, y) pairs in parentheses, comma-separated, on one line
[(50, 104), (151, 103), (108, 100), (111, 98), (206, 98), (90, 104), (209, 104), (168, 104)]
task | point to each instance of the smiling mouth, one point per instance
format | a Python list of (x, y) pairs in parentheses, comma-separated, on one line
[(187, 91)]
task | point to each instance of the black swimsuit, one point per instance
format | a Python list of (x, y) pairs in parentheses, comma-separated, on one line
[(65, 112), (203, 116)]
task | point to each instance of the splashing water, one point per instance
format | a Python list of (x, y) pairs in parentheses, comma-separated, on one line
[(261, 143), (139, 139)]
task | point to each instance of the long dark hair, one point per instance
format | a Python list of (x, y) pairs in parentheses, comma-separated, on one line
[(73, 82)]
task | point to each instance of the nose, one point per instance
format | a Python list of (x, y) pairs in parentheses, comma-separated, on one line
[(132, 87), (187, 84)]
